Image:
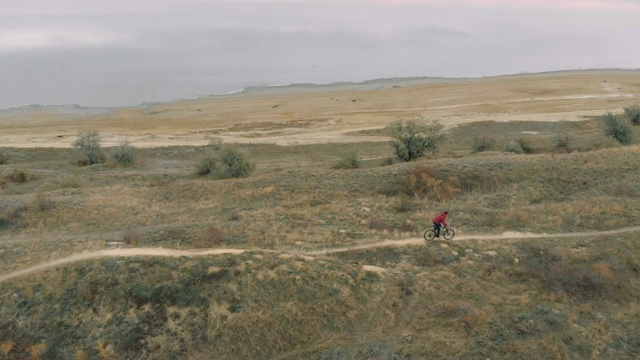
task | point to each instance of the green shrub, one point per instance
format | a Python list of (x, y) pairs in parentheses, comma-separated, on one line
[(616, 127), (519, 146), (4, 158), (208, 165), (348, 161), (124, 154), (633, 114), (411, 139), (562, 141), (225, 163), (90, 144), (483, 143)]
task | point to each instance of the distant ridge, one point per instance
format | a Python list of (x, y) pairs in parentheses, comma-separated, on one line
[(69, 109), (373, 84)]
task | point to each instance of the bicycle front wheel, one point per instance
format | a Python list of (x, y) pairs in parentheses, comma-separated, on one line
[(429, 235), (448, 234)]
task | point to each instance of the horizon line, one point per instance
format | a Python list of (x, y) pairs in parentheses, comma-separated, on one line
[(246, 89)]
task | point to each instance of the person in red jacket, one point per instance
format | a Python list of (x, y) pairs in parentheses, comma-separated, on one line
[(439, 221)]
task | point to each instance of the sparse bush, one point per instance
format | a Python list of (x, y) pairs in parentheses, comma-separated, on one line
[(411, 139), (124, 154), (562, 141), (633, 114), (514, 147), (225, 163), (4, 158), (235, 216), (12, 217), (20, 176), (616, 127), (42, 203), (519, 146), (387, 161), (349, 160), (526, 146), (212, 236), (215, 143), (90, 144), (405, 204), (132, 236), (483, 143)]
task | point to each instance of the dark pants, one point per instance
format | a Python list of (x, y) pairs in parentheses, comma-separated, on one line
[(437, 226)]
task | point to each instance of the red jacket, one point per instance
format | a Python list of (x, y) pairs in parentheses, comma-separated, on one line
[(441, 219)]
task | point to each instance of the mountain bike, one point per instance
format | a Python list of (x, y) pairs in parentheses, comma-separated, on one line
[(446, 232)]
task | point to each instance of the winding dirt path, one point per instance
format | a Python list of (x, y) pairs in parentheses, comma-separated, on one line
[(132, 252)]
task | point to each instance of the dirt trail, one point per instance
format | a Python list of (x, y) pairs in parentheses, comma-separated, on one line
[(190, 253)]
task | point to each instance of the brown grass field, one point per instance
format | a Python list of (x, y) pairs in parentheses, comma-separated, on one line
[(306, 261)]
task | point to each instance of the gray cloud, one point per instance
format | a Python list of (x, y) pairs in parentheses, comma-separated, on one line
[(121, 57)]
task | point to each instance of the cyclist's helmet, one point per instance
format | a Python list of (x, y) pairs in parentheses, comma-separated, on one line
[(446, 212)]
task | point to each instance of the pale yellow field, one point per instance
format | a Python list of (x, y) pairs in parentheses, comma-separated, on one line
[(336, 113)]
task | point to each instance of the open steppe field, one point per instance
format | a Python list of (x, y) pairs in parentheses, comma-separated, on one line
[(303, 260)]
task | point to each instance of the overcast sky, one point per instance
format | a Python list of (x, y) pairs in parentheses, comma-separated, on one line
[(124, 52)]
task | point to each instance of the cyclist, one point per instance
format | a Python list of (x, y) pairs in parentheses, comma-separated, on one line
[(439, 221)]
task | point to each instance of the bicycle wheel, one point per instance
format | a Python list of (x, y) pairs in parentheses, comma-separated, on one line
[(448, 234), (429, 235)]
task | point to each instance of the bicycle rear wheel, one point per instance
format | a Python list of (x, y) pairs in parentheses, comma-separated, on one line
[(429, 235), (448, 234)]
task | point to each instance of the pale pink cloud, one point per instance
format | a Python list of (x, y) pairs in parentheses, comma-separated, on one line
[(566, 4)]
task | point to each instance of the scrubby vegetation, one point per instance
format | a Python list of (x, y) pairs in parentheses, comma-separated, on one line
[(616, 127), (495, 300), (563, 142), (4, 158), (519, 146), (124, 154), (483, 142), (633, 114), (289, 295), (349, 160), (226, 162), (19, 176)]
